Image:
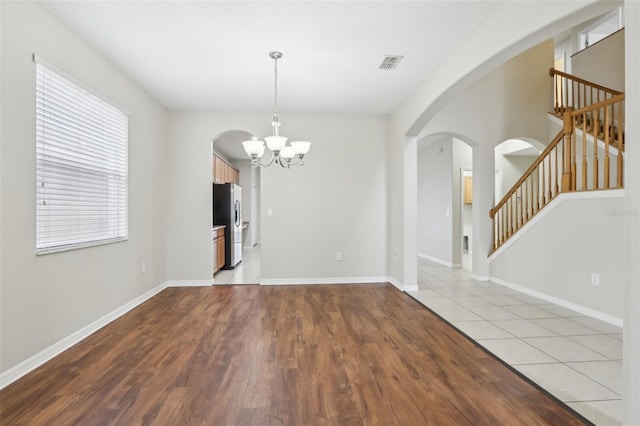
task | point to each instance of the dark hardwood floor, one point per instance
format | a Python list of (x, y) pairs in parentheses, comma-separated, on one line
[(291, 355)]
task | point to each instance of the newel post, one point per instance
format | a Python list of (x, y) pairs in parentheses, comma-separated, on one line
[(568, 131)]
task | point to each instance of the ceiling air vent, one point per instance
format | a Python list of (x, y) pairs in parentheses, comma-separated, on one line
[(390, 62)]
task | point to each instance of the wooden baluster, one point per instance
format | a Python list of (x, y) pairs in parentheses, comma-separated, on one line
[(584, 154), (555, 178), (566, 172), (529, 197), (544, 193), (514, 212), (620, 145), (521, 208), (594, 165), (549, 185), (540, 186), (516, 206), (525, 203), (493, 233), (572, 138), (562, 101), (507, 233), (500, 227), (516, 219), (511, 227), (607, 122), (534, 186), (555, 93), (496, 220), (511, 216), (502, 224)]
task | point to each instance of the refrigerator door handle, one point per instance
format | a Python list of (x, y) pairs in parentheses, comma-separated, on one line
[(237, 212)]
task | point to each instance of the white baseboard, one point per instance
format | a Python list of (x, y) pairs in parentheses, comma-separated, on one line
[(189, 283), (610, 319), (340, 280), (479, 277), (397, 284), (330, 280), (410, 287), (30, 364), (439, 261)]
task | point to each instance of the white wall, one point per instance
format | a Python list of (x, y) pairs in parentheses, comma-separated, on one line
[(46, 298), (435, 199), (336, 201), (509, 102), (603, 62), (631, 341), (575, 238), (512, 167)]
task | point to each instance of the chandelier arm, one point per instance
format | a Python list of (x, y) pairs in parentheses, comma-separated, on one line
[(300, 161), (283, 163), (257, 162)]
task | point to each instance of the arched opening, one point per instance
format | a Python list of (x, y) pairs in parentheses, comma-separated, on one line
[(227, 146), (444, 200)]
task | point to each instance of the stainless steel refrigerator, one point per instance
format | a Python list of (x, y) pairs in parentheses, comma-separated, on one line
[(227, 210)]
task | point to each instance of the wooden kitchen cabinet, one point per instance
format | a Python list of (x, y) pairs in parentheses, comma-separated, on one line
[(468, 189), (223, 172), (218, 249)]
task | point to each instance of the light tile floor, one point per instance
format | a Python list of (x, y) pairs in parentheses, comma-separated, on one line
[(247, 271), (576, 358)]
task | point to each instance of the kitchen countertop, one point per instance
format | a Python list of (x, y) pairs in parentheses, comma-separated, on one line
[(216, 227)]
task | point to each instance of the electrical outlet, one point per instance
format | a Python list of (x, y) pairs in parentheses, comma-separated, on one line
[(338, 255), (595, 278), (143, 267), (396, 253)]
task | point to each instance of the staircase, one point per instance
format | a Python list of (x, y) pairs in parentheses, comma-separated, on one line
[(586, 155)]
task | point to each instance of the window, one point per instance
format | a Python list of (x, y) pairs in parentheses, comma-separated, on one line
[(601, 28), (81, 165)]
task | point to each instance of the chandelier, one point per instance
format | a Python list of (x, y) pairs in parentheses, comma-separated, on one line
[(281, 153)]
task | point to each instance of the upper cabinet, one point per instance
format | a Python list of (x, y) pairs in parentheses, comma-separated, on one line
[(468, 189), (223, 172)]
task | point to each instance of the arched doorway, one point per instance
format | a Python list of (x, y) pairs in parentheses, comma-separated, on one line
[(228, 147)]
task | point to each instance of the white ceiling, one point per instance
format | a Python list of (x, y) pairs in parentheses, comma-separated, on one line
[(214, 54)]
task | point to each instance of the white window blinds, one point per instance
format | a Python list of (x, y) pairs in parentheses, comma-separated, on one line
[(81, 166)]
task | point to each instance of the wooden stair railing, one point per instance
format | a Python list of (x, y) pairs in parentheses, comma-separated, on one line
[(591, 135), (576, 93)]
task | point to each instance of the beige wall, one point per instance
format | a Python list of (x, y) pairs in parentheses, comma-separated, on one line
[(47, 298), (603, 62)]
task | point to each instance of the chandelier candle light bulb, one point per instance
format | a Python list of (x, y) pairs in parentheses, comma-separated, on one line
[(281, 153)]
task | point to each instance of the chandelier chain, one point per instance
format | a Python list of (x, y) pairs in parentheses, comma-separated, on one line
[(275, 95)]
